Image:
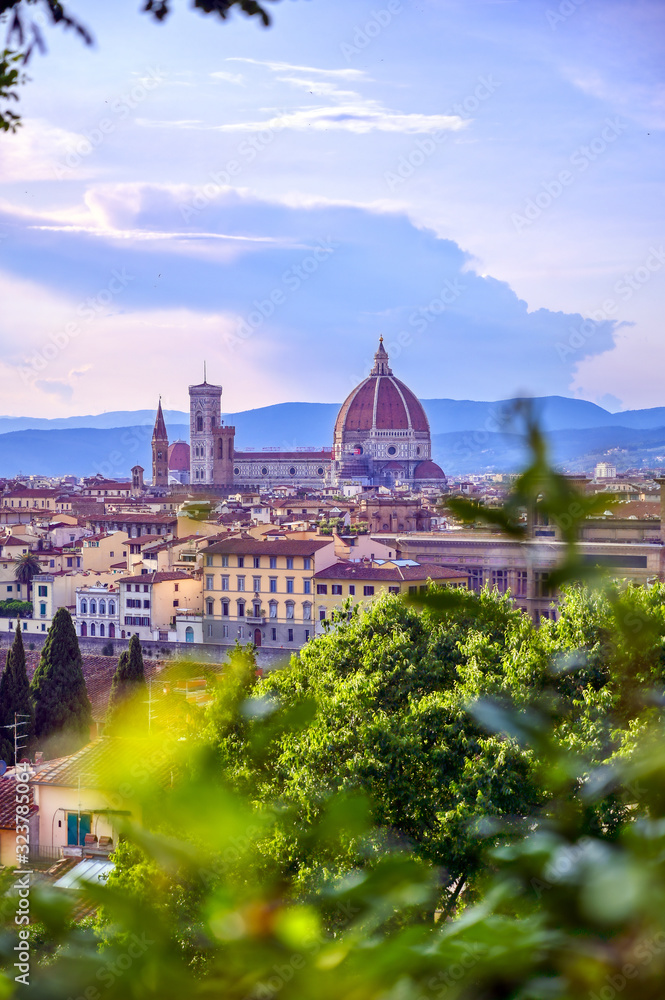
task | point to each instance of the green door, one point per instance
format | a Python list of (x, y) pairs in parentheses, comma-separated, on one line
[(72, 829), (85, 824)]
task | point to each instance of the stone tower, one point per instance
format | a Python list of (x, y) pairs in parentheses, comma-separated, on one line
[(211, 443), (160, 451)]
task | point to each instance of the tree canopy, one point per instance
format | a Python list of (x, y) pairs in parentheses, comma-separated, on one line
[(62, 707)]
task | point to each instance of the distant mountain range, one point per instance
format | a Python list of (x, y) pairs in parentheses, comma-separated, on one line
[(467, 436)]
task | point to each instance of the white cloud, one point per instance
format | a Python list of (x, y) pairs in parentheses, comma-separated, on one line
[(282, 67), (37, 152), (221, 74)]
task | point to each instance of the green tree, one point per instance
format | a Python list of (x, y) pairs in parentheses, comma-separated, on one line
[(62, 707), (15, 698), (27, 566), (129, 684)]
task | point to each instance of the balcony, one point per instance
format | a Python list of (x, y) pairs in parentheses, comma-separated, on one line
[(255, 619)]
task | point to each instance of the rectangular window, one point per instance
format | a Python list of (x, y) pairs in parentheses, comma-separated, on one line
[(146, 604), (70, 562), (209, 631), (241, 632), (352, 590), (210, 607), (256, 583), (210, 582), (42, 609), (273, 632), (307, 563), (500, 580), (241, 583), (521, 583), (322, 588), (322, 614), (475, 578), (336, 588), (146, 588), (307, 611), (225, 582), (225, 560), (208, 560), (307, 586), (42, 591), (393, 590), (289, 562), (289, 585), (225, 609), (52, 563), (289, 611), (257, 562), (273, 610), (413, 590), (306, 635), (225, 631), (241, 562), (290, 635), (241, 610), (368, 591), (176, 604), (273, 584), (273, 562)]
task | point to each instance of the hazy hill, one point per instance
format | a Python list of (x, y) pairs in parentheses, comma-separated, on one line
[(468, 436)]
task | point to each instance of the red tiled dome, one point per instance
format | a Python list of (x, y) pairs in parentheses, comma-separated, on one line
[(428, 470), (179, 457), (384, 403)]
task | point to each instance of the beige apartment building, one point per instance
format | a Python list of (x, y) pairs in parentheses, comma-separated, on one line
[(262, 591)]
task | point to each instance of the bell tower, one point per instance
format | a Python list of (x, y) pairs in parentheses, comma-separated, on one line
[(160, 450)]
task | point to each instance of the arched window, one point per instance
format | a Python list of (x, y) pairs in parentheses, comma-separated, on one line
[(189, 634), (102, 630), (92, 628), (84, 606), (93, 608), (111, 607), (289, 609), (111, 631), (122, 634), (199, 423), (84, 628), (102, 607)]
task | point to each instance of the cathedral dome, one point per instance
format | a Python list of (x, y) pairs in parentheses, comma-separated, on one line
[(382, 433), (179, 457), (381, 402), (428, 470)]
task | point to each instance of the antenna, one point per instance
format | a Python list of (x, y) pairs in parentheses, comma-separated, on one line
[(205, 377)]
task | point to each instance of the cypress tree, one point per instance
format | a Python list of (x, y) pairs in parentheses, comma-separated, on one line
[(6, 735), (128, 684), (62, 707), (15, 698)]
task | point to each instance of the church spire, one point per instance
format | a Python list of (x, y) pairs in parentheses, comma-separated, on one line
[(381, 366), (159, 433)]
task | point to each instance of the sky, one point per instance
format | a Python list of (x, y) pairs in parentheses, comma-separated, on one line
[(478, 182)]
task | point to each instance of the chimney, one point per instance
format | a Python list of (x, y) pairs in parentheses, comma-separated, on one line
[(39, 757)]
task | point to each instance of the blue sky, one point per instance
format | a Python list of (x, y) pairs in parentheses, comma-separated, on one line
[(480, 182)]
